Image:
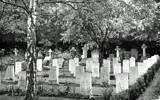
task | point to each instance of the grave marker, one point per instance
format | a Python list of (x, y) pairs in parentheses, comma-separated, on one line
[(133, 75), (72, 66), (22, 83), (54, 72), (125, 66), (9, 74), (89, 65), (132, 62), (117, 68), (86, 83), (144, 47), (18, 67), (141, 68), (105, 74), (121, 82), (95, 69), (39, 64)]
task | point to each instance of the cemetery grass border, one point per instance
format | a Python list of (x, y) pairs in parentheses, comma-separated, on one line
[(138, 88)]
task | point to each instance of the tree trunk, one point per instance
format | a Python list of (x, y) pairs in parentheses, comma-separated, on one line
[(101, 54), (31, 52)]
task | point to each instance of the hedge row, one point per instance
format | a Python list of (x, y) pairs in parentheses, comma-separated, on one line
[(138, 88), (153, 92)]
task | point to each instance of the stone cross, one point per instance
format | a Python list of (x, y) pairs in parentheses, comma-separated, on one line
[(117, 51), (15, 51), (50, 52), (144, 50)]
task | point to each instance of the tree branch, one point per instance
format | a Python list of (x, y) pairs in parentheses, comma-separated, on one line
[(15, 5)]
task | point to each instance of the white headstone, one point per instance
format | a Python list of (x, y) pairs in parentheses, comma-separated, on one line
[(39, 64), (141, 67), (60, 62), (55, 63), (105, 74), (89, 65), (125, 66), (54, 72), (95, 53), (76, 60), (95, 69), (86, 83), (117, 68), (132, 62), (133, 75), (121, 82), (115, 60), (18, 67), (107, 63), (22, 79), (9, 74), (79, 71), (72, 66)]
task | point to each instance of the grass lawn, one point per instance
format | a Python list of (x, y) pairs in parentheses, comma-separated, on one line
[(4, 97)]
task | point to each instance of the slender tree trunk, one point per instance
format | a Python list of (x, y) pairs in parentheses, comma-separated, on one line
[(31, 52)]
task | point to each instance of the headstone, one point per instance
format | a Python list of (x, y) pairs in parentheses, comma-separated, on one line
[(107, 63), (79, 71), (72, 66), (76, 60), (89, 65), (144, 50), (117, 68), (115, 60), (54, 72), (125, 66), (121, 82), (39, 64), (133, 75), (95, 69), (95, 53), (60, 62), (9, 74), (105, 74), (132, 62), (18, 67), (141, 68), (22, 80), (86, 83), (134, 53)]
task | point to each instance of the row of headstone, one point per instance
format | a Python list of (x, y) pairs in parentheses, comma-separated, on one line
[(123, 80)]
